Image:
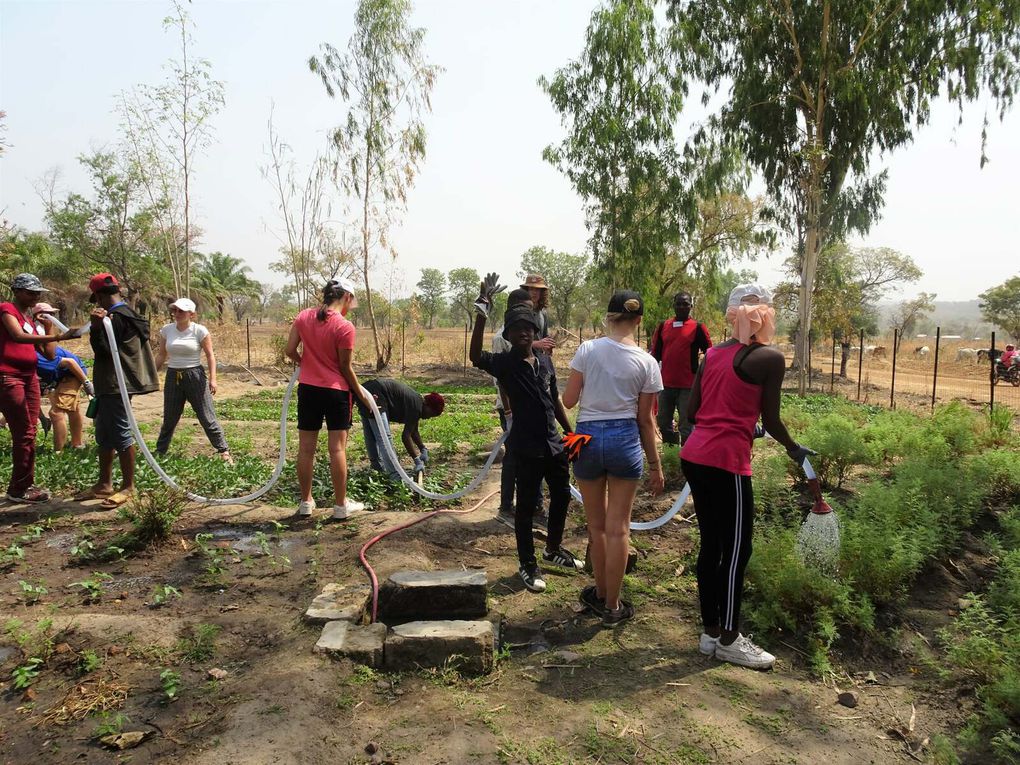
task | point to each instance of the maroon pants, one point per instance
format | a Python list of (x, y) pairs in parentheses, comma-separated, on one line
[(19, 404)]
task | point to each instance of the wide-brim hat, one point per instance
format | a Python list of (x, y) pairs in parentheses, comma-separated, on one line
[(535, 281)]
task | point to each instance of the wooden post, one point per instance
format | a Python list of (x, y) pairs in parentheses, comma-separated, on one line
[(247, 331), (895, 350), (860, 363), (935, 368), (832, 378), (991, 379)]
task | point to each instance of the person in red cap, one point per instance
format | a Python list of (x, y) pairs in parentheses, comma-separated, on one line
[(19, 384), (113, 431), (403, 404)]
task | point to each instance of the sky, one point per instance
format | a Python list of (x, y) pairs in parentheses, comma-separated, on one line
[(484, 195)]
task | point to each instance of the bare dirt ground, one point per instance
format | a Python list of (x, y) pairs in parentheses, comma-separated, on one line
[(566, 690)]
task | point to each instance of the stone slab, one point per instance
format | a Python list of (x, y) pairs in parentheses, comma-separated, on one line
[(433, 595), (467, 645), (361, 643), (339, 602)]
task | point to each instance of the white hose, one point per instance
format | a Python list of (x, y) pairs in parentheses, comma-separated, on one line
[(108, 326)]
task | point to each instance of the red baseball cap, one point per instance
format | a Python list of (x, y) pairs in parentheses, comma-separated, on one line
[(100, 282)]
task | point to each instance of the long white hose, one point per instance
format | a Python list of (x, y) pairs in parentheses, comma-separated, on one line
[(108, 326)]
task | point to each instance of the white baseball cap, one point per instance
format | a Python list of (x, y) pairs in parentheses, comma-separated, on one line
[(348, 286), (184, 304)]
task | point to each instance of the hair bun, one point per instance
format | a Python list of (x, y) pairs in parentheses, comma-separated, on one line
[(632, 305)]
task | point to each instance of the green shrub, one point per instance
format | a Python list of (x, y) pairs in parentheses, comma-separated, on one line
[(841, 445), (774, 498), (152, 515), (957, 425), (898, 434), (996, 474), (1004, 593)]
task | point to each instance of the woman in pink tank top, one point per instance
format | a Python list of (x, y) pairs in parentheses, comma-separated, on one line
[(740, 381)]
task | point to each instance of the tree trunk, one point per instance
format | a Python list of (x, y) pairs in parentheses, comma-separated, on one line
[(844, 358), (380, 360)]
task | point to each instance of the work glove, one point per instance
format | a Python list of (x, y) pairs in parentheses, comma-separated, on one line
[(800, 454), (573, 443), (490, 287), (419, 466), (759, 431), (424, 456)]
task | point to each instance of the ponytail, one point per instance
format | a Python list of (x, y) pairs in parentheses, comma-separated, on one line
[(331, 293)]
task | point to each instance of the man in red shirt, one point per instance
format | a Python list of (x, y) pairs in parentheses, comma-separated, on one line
[(676, 345)]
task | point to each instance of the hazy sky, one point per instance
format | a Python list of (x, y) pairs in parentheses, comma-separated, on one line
[(484, 194)]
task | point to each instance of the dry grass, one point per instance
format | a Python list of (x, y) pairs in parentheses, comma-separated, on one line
[(85, 700)]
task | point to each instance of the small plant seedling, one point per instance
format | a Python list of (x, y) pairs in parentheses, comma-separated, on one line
[(200, 645), (32, 533), (12, 555), (83, 548), (31, 592), (162, 595), (110, 724), (170, 682), (89, 661), (26, 674), (93, 587)]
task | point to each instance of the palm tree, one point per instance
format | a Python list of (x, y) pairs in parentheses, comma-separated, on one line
[(220, 277)]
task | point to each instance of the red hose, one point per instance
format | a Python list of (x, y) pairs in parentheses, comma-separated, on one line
[(382, 535)]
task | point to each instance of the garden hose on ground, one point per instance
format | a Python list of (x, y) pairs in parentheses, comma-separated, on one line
[(108, 326)]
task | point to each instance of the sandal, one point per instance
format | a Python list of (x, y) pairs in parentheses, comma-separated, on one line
[(93, 493), (114, 501)]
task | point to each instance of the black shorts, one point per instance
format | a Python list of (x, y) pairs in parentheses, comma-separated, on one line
[(315, 404)]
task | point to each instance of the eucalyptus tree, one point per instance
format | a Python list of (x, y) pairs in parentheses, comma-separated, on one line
[(1000, 305), (431, 287), (385, 82), (817, 89)]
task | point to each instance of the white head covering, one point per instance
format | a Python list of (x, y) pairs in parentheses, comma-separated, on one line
[(749, 311)]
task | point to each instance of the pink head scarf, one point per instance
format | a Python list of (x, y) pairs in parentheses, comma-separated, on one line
[(749, 312)]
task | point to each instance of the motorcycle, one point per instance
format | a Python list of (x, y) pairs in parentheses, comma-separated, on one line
[(1007, 373)]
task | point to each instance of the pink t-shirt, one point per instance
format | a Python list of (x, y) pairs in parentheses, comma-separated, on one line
[(729, 409), (320, 341)]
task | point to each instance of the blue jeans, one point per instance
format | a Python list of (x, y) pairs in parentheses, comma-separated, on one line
[(614, 449)]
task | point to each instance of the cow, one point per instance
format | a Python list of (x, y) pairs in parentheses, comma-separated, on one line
[(922, 351), (985, 354), (878, 351), (966, 355)]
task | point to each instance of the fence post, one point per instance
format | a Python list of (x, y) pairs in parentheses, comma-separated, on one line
[(860, 363), (935, 368), (892, 385), (247, 332), (832, 378), (991, 378)]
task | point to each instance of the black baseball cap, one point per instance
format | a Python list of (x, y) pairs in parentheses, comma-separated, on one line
[(618, 303), (521, 313)]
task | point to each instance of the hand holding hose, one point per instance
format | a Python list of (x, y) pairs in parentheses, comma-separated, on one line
[(800, 453)]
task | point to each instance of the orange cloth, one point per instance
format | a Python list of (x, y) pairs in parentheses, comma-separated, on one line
[(752, 320)]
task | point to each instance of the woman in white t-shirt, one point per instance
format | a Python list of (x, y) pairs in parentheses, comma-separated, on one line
[(181, 347), (616, 383)]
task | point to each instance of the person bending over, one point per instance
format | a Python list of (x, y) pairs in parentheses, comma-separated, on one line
[(402, 404)]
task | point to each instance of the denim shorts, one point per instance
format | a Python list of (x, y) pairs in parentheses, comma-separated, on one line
[(111, 422), (614, 449)]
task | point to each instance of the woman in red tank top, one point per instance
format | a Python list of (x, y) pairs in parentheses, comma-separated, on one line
[(740, 381)]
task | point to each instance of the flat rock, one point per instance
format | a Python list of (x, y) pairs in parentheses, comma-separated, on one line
[(467, 645), (360, 643), (434, 595), (848, 699), (339, 602)]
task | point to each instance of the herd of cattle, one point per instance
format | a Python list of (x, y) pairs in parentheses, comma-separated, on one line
[(963, 355)]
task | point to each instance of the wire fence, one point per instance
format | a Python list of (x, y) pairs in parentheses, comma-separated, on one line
[(917, 372)]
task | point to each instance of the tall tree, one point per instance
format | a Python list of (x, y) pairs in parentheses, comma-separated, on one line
[(224, 278), (563, 272), (909, 312), (818, 89), (463, 285), (303, 207), (166, 127), (1001, 306), (431, 287), (386, 83)]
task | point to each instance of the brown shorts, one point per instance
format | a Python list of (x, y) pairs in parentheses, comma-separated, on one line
[(65, 395)]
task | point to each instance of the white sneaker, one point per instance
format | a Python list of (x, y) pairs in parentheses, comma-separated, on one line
[(707, 644), (342, 512), (745, 653), (306, 507)]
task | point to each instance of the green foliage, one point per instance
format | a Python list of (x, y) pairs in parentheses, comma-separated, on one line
[(163, 594), (170, 682), (93, 587), (1000, 425), (111, 723), (841, 445), (152, 515), (89, 661), (25, 674), (429, 296), (200, 644), (564, 273), (31, 592), (1000, 306)]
